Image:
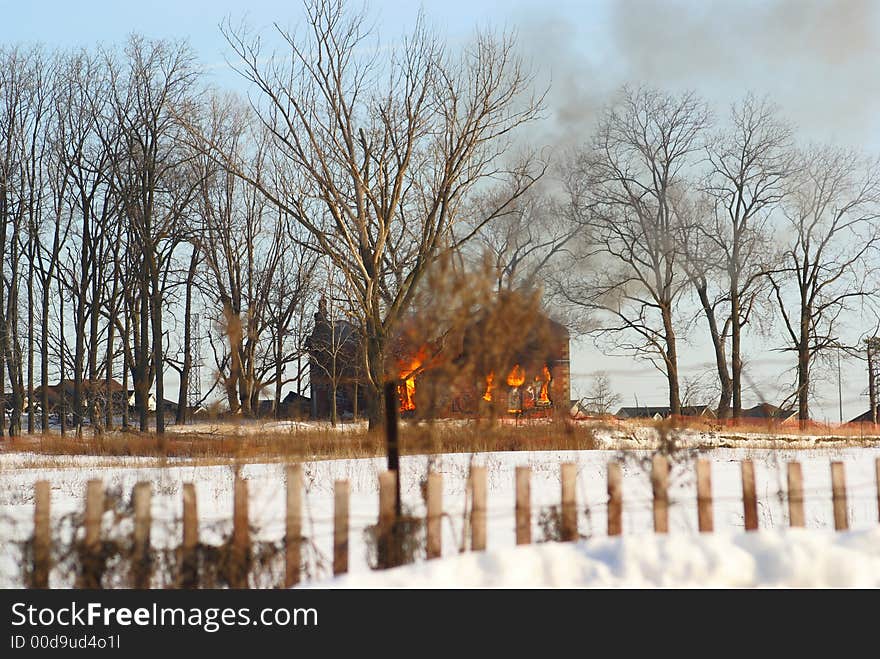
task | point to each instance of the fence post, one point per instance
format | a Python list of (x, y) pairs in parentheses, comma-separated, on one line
[(189, 561), (140, 560), (478, 508), (387, 495), (293, 526), (340, 527), (241, 536), (615, 499), (433, 524), (660, 485), (795, 495), (391, 440), (42, 542), (568, 473), (750, 499), (838, 496), (704, 496), (523, 506), (91, 560)]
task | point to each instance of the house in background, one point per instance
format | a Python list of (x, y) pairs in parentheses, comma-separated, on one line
[(61, 396), (768, 412), (657, 413)]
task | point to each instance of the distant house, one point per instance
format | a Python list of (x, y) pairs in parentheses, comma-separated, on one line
[(61, 395), (769, 412), (663, 412), (643, 412), (292, 406), (864, 417)]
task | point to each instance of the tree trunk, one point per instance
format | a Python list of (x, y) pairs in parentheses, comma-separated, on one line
[(92, 392), (126, 365), (671, 359), (108, 378), (158, 366), (31, 421), (44, 357), (375, 363), (279, 348), (804, 368), (720, 356), (142, 379), (736, 354)]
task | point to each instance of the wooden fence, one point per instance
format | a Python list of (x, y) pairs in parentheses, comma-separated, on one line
[(91, 565)]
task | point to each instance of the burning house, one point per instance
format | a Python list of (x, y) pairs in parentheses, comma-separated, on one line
[(496, 364), (516, 368)]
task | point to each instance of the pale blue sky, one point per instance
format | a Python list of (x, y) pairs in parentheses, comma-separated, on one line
[(818, 60)]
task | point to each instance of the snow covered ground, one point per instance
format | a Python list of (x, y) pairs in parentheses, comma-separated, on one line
[(266, 485), (799, 558)]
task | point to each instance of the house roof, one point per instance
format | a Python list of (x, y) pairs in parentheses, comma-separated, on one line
[(647, 411), (864, 417), (768, 411), (642, 411)]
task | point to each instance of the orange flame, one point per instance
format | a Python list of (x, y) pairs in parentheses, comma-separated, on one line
[(516, 377), (544, 398), (489, 386), (406, 391)]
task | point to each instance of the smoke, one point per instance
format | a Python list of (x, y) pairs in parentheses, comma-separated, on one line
[(817, 59)]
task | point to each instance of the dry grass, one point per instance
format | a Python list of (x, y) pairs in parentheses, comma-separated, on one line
[(728, 428), (218, 444), (314, 444)]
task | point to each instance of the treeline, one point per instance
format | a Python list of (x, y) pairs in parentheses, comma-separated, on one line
[(113, 224), (133, 196)]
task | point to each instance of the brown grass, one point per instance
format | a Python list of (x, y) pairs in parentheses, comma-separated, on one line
[(312, 444)]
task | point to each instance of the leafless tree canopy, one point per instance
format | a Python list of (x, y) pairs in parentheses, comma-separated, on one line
[(376, 150)]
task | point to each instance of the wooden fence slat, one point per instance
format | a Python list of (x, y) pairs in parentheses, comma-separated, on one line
[(340, 527), (838, 496), (569, 528), (660, 486), (92, 563), (241, 536), (795, 496), (433, 523), (750, 499), (140, 560), (478, 508), (523, 506), (189, 561), (704, 496), (94, 511), (386, 555), (615, 499), (42, 538), (293, 526)]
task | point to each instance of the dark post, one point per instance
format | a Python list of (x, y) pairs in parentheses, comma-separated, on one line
[(391, 439)]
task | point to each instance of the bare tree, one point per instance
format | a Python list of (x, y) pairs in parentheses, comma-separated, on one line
[(601, 398), (153, 174), (384, 148), (831, 234), (725, 241), (525, 241), (622, 191)]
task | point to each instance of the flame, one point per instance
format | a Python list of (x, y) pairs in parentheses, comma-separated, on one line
[(489, 386), (516, 377), (543, 398), (406, 391)]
